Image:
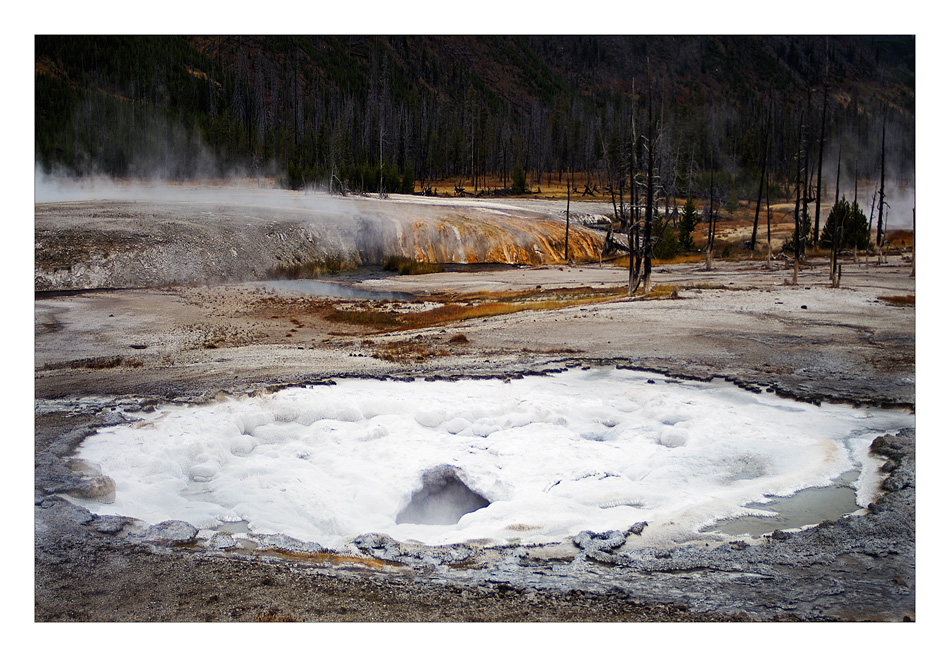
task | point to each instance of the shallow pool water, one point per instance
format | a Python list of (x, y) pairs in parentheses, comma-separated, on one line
[(329, 289), (595, 449), (806, 507)]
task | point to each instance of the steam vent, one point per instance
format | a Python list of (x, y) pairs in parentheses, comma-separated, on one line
[(442, 500)]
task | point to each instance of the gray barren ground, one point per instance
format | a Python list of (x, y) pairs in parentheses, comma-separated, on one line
[(104, 352)]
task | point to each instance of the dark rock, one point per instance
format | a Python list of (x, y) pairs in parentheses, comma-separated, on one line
[(171, 532), (221, 541), (99, 488), (284, 543), (637, 528), (109, 524)]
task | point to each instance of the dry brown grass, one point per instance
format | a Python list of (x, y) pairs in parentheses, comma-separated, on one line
[(549, 186), (678, 259), (474, 306), (900, 237), (411, 267), (899, 300), (275, 616), (406, 351), (663, 292), (97, 363), (552, 350), (330, 264)]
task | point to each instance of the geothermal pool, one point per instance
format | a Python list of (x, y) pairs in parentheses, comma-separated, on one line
[(537, 459)]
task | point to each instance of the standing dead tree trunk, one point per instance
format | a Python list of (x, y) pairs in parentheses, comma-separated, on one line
[(711, 215), (610, 178), (633, 275), (880, 200), (648, 228), (833, 275), (821, 150), (855, 209), (797, 235), (758, 203), (913, 253), (768, 223), (567, 217), (867, 250)]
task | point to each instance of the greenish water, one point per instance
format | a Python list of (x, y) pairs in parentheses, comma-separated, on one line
[(806, 507)]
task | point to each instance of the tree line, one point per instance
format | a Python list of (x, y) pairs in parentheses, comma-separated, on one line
[(399, 113)]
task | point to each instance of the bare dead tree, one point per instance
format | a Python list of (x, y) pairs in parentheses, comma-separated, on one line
[(567, 217), (855, 208), (768, 222), (613, 198), (880, 200), (633, 274), (821, 150), (711, 214), (651, 148), (764, 163), (798, 200), (913, 253), (867, 249), (838, 176)]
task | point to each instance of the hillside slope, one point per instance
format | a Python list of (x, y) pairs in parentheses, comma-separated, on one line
[(309, 108)]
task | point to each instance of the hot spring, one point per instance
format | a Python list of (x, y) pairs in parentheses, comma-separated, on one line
[(530, 460)]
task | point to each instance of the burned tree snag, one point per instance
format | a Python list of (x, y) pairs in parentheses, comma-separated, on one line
[(648, 228), (880, 200), (758, 203), (567, 217), (821, 150), (768, 223), (633, 275), (797, 235), (711, 216)]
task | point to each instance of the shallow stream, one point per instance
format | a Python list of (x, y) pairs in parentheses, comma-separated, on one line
[(328, 289)]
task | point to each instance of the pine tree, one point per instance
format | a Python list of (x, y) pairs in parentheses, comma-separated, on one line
[(518, 180), (688, 224), (851, 223)]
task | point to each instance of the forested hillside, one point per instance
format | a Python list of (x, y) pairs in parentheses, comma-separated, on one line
[(476, 109)]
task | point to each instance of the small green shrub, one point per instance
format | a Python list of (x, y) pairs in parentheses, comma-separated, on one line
[(519, 180)]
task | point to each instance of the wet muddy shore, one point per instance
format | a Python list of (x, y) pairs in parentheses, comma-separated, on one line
[(101, 355)]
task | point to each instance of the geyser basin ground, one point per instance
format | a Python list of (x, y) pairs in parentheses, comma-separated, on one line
[(587, 449)]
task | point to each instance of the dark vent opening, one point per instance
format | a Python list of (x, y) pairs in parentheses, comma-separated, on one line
[(442, 500)]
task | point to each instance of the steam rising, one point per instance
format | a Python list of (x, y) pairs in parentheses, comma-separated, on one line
[(442, 500), (159, 234)]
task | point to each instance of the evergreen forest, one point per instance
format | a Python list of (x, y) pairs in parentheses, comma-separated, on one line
[(489, 112)]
